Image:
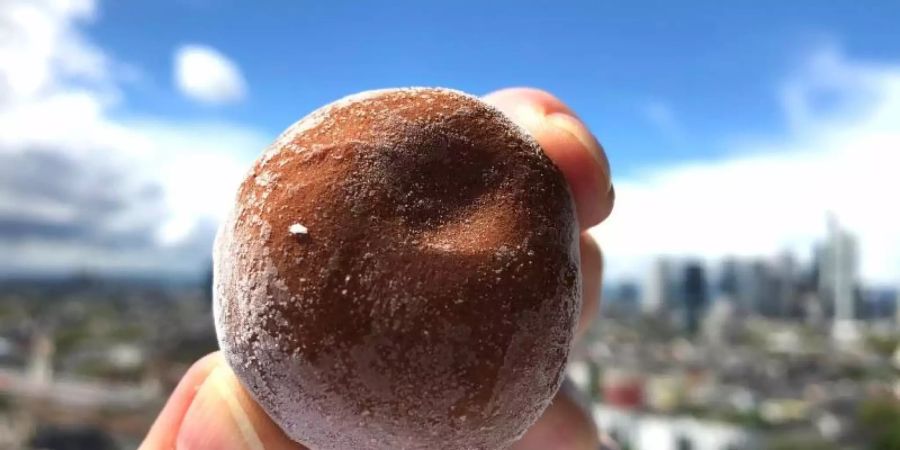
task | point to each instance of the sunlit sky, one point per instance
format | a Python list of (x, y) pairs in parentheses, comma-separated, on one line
[(732, 128)]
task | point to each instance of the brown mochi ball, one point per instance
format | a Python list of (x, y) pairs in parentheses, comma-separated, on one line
[(400, 271)]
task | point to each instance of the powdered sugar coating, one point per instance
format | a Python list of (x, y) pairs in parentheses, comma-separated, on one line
[(434, 305)]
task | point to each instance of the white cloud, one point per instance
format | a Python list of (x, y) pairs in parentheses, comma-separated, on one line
[(201, 166), (204, 74), (841, 155), (80, 189), (40, 48)]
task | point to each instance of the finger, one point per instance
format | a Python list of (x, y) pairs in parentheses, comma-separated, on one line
[(568, 142), (222, 415), (565, 425), (162, 433), (591, 280)]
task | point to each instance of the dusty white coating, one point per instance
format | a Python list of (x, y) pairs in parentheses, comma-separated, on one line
[(254, 287), (265, 180), (314, 119)]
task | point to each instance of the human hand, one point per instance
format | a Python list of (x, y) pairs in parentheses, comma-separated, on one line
[(211, 410)]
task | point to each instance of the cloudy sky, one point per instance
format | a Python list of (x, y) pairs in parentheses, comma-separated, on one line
[(732, 130)]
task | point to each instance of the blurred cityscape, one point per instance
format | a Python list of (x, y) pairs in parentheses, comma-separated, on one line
[(87, 363), (726, 355), (748, 354)]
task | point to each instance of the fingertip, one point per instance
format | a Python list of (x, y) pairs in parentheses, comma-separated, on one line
[(568, 143), (224, 416), (516, 95), (162, 433), (565, 425), (209, 409)]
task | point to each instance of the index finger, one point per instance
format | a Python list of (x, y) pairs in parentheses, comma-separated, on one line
[(568, 143)]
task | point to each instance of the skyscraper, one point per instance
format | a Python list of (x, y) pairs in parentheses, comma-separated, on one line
[(728, 278), (785, 286), (897, 306), (740, 280), (694, 294), (838, 279), (762, 288), (657, 287)]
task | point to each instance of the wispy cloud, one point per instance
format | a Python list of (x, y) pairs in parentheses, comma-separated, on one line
[(840, 155), (204, 74), (661, 115)]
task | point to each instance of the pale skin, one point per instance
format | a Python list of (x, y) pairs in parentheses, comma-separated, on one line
[(209, 408)]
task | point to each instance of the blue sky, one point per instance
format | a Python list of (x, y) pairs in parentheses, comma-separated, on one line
[(714, 66), (733, 127)]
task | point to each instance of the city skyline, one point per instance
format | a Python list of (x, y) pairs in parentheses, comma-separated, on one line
[(824, 287)]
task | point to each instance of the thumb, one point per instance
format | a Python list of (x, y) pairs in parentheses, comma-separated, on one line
[(211, 410)]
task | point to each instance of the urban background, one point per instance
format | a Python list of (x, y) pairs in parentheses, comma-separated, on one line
[(746, 353), (752, 264)]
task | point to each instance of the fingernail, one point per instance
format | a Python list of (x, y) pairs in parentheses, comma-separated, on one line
[(529, 116), (577, 129), (216, 419)]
